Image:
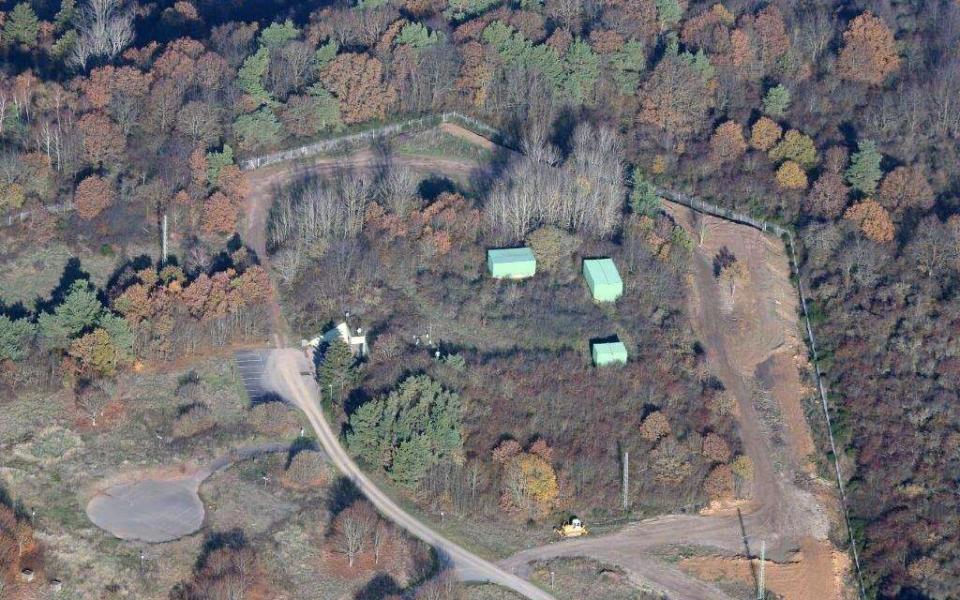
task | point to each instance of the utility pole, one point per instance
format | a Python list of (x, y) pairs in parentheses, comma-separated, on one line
[(761, 592), (626, 479), (163, 255)]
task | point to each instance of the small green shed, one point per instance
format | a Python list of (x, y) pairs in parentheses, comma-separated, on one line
[(511, 263), (603, 278), (605, 353)]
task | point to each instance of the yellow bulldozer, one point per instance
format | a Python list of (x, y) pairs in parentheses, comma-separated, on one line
[(572, 528)]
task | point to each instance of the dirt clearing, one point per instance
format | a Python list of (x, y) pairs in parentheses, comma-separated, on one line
[(788, 579)]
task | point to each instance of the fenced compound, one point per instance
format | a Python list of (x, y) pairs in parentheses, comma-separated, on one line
[(484, 130)]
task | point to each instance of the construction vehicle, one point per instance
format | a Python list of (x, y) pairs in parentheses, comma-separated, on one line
[(572, 528)]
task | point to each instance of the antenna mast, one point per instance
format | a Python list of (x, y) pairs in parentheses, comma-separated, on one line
[(163, 255), (626, 478), (761, 592)]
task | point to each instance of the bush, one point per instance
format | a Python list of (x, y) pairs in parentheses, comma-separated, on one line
[(193, 421)]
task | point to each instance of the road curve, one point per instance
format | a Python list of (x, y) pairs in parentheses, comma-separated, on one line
[(282, 374)]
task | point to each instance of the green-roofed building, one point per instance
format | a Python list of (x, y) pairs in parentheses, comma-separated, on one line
[(606, 353), (603, 278), (511, 263)]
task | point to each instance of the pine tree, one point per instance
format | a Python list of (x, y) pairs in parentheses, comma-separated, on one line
[(669, 12), (80, 310), (777, 101), (15, 337), (414, 428), (583, 70), (250, 75), (864, 171), (260, 128), (643, 198), (22, 25), (337, 374), (628, 64), (217, 161)]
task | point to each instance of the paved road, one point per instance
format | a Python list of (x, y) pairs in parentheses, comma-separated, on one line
[(283, 377)]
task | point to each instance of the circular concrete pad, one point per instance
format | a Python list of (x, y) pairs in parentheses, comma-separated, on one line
[(151, 510)]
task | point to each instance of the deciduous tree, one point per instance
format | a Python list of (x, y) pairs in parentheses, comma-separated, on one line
[(828, 196), (798, 147), (92, 196), (727, 143), (765, 134), (906, 188), (357, 80), (869, 53), (675, 97), (790, 176), (872, 219)]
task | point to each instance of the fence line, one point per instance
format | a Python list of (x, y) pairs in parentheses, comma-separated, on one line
[(20, 217), (418, 124), (730, 215)]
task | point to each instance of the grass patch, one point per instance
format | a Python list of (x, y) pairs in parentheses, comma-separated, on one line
[(439, 144)]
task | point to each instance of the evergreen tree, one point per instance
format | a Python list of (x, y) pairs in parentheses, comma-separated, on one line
[(79, 311), (257, 129), (15, 337), (864, 171), (669, 12), (22, 25), (278, 34), (325, 55), (628, 64), (411, 461), (414, 428), (250, 75), (121, 335), (643, 198), (326, 107), (418, 36), (583, 70), (337, 374), (216, 161), (777, 101)]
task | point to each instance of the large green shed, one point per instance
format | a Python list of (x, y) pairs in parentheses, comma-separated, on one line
[(603, 278), (511, 263), (605, 353)]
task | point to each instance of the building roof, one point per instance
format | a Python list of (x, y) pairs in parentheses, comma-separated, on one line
[(603, 271), (607, 352), (511, 255)]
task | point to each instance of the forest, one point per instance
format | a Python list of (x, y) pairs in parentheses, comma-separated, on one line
[(839, 119)]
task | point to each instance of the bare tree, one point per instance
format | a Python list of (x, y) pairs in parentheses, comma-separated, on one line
[(105, 28), (398, 188), (352, 529)]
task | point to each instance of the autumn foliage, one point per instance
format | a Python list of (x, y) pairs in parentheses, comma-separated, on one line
[(765, 134), (790, 176), (727, 143), (92, 196), (869, 53), (872, 219), (358, 81)]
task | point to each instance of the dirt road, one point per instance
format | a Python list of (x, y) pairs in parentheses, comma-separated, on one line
[(283, 376), (749, 334)]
